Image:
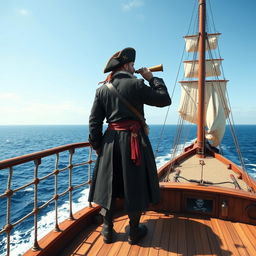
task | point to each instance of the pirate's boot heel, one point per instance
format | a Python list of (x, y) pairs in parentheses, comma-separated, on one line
[(137, 231)]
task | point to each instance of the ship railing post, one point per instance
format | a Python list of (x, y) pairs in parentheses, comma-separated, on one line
[(89, 170), (8, 227), (9, 192), (37, 162), (90, 162), (71, 152), (56, 196)]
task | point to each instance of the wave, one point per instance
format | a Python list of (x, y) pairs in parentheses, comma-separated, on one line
[(254, 165), (21, 241), (252, 173), (161, 160)]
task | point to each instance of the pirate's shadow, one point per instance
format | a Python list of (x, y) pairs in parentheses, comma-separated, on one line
[(180, 235)]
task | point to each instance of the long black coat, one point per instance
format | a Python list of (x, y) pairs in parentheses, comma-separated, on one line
[(115, 175)]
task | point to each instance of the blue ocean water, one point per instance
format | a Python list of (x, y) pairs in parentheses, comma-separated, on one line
[(21, 140)]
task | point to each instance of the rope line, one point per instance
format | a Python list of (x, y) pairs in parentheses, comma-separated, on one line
[(174, 87), (229, 116)]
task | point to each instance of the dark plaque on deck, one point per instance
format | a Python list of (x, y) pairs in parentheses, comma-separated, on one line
[(199, 205)]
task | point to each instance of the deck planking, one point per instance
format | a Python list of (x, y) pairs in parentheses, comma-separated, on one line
[(170, 234)]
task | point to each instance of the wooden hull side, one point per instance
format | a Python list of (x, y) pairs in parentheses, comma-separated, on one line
[(54, 241), (240, 205)]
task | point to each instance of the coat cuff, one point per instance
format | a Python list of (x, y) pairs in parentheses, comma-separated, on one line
[(95, 143), (156, 82)]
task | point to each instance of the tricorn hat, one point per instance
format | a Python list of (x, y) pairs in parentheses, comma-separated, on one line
[(120, 58)]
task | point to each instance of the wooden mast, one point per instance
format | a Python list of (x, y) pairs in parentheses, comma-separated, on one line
[(201, 80)]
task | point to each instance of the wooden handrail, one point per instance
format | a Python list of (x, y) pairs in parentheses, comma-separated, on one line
[(204, 189), (37, 155)]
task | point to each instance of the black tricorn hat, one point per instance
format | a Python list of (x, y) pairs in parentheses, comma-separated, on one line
[(120, 58)]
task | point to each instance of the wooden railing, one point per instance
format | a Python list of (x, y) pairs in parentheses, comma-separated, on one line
[(8, 166)]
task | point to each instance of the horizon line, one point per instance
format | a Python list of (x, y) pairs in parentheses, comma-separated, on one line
[(103, 124)]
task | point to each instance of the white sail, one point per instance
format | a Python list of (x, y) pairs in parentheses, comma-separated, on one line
[(216, 108), (212, 68), (192, 42)]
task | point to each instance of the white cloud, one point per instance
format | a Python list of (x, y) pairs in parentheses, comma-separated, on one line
[(131, 5), (20, 110), (23, 12), (8, 96)]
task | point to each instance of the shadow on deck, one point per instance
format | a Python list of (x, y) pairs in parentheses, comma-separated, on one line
[(170, 235)]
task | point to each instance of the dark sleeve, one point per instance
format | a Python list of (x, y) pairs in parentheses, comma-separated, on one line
[(96, 119), (155, 95)]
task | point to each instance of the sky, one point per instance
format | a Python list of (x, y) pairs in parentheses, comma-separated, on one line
[(53, 53)]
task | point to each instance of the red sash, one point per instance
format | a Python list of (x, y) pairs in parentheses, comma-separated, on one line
[(133, 126)]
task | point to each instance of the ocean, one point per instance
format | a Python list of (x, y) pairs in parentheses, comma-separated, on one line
[(21, 140)]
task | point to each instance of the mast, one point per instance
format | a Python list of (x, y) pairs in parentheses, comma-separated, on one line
[(201, 80)]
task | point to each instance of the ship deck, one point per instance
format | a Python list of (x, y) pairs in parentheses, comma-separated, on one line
[(213, 170), (169, 234)]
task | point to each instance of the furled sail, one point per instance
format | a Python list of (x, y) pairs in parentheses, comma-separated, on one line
[(212, 68), (192, 42), (216, 108)]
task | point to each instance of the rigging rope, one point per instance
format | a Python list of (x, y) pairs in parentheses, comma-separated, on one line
[(227, 107), (229, 115), (168, 108), (174, 87), (180, 125), (214, 28)]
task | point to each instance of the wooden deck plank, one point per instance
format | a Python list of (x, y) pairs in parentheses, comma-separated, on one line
[(252, 229), (151, 220), (164, 243), (85, 247), (123, 246), (228, 237), (196, 232), (118, 225), (170, 235), (97, 243), (89, 242), (124, 249), (206, 248), (182, 243), (249, 234), (155, 243), (248, 243), (173, 245), (214, 240), (121, 236), (236, 238), (224, 246), (190, 238), (80, 242)]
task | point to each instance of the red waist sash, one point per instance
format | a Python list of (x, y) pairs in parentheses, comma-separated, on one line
[(133, 126)]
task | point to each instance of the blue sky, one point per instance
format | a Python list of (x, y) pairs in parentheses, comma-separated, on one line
[(53, 53)]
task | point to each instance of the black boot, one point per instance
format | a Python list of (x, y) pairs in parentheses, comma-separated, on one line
[(137, 231), (107, 227)]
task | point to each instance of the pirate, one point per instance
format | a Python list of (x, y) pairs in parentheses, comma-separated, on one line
[(125, 167)]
